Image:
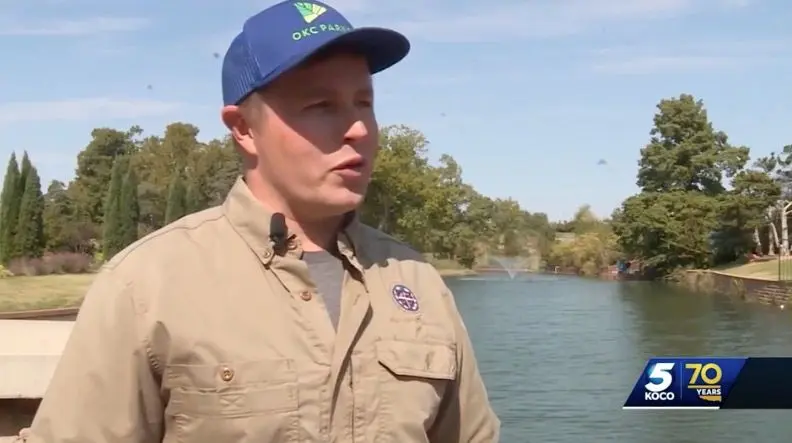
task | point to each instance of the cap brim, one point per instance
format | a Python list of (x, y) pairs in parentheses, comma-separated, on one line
[(382, 48)]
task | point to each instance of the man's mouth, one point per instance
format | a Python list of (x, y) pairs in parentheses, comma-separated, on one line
[(353, 164)]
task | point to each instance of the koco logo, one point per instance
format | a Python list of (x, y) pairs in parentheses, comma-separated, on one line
[(660, 379)]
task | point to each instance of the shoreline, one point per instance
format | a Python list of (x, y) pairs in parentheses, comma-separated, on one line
[(456, 272), (747, 288)]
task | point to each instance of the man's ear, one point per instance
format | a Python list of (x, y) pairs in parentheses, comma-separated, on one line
[(240, 129)]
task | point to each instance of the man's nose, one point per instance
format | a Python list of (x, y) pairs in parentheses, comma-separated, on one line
[(356, 132)]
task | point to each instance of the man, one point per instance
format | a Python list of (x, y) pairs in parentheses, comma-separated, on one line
[(276, 317)]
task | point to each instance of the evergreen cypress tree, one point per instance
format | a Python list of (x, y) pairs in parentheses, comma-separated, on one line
[(24, 170), (29, 237), (192, 199), (130, 209), (177, 200), (7, 216), (111, 240)]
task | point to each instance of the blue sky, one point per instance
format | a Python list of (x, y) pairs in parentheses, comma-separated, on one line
[(528, 95)]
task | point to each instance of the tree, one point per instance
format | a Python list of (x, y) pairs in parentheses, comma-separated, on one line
[(683, 205), (588, 254), (177, 200), (24, 170), (193, 201), (29, 239), (130, 209), (127, 185), (593, 248), (685, 152), (60, 227), (213, 170), (770, 173), (399, 180), (9, 209), (584, 221), (667, 230), (94, 169), (112, 238), (743, 211), (159, 160)]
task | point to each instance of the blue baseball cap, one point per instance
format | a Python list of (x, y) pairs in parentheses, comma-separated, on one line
[(284, 35)]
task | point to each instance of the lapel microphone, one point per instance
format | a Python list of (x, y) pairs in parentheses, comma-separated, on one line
[(278, 232)]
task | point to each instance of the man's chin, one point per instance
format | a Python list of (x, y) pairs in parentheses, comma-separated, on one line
[(336, 200), (349, 200)]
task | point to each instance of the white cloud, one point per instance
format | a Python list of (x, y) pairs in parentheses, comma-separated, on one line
[(738, 3), (84, 109), (87, 26), (343, 6), (698, 56), (655, 64), (765, 47), (473, 21), (537, 18), (104, 47), (347, 6)]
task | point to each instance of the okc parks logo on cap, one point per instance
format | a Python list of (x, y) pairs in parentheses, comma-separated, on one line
[(310, 12)]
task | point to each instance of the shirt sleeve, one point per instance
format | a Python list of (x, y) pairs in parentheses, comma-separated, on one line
[(104, 388), (466, 415)]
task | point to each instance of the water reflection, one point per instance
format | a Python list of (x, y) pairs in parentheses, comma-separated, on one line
[(559, 355)]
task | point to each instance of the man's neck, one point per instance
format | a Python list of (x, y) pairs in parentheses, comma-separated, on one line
[(314, 235)]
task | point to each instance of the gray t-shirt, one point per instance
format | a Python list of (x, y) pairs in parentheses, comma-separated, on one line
[(327, 271)]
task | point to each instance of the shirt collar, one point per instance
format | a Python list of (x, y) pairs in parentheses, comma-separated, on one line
[(251, 220)]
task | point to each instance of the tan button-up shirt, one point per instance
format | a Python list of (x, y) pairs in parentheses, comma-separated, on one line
[(202, 333)]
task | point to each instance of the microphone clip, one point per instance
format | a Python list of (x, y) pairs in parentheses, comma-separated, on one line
[(279, 233)]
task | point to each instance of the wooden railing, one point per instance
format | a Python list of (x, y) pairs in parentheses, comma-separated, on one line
[(42, 314)]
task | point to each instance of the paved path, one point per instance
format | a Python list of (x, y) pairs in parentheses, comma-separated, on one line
[(29, 352)]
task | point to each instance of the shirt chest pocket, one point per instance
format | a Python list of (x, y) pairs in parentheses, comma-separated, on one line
[(414, 380), (251, 401)]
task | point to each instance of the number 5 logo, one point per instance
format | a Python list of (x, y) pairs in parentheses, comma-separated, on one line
[(660, 377)]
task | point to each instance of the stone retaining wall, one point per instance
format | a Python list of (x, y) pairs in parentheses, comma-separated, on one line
[(750, 289)]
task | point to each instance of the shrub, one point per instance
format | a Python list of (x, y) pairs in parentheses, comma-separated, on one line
[(5, 273), (98, 258), (26, 266), (56, 263), (70, 263)]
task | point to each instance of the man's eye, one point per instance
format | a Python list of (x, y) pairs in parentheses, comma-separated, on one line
[(366, 103), (320, 105)]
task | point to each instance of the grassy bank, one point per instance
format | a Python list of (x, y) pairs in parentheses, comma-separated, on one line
[(45, 292), (760, 270), (64, 291)]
